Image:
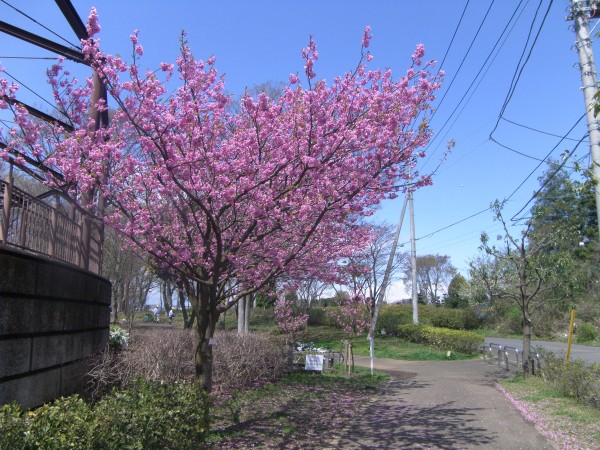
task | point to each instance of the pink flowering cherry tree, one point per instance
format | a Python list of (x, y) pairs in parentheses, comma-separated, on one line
[(228, 201), (289, 320)]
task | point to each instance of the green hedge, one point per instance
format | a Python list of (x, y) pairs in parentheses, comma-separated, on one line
[(442, 338), (393, 316), (322, 316), (147, 415)]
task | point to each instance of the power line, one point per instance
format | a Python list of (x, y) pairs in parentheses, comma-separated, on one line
[(521, 64), (536, 129), (547, 156), (485, 66), (454, 35), (453, 224), (548, 179), (464, 57), (40, 24)]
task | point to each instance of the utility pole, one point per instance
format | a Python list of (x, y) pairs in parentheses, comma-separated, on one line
[(413, 259), (581, 11), (383, 288)]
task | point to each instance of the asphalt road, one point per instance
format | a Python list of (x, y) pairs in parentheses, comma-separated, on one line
[(587, 353), (440, 405)]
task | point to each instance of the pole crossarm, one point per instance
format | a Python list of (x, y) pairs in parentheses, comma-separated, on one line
[(69, 53)]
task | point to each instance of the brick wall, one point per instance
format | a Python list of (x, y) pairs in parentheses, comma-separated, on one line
[(52, 316)]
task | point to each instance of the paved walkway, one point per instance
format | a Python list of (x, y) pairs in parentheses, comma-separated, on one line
[(440, 405)]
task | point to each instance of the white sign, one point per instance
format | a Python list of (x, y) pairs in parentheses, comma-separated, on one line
[(314, 362)]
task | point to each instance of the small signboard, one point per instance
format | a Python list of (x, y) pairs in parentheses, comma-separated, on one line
[(314, 362)]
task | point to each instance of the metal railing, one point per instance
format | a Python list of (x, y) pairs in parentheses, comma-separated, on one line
[(508, 357), (32, 225)]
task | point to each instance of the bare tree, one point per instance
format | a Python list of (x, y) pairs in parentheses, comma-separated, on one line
[(130, 275), (434, 273), (309, 291), (522, 276)]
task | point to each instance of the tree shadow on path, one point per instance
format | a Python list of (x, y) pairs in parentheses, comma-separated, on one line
[(391, 423)]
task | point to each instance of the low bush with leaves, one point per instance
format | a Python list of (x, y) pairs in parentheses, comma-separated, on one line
[(586, 332), (118, 338), (393, 316), (321, 316), (575, 379), (442, 338), (455, 319), (146, 415)]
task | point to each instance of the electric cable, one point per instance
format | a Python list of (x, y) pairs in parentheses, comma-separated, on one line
[(40, 24), (547, 156), (495, 49), (536, 129), (520, 67), (547, 180), (35, 93), (454, 35), (464, 58)]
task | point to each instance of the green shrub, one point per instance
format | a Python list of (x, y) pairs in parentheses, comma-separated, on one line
[(147, 415), (586, 332), (12, 427), (442, 338), (455, 319), (153, 415), (411, 332), (65, 423), (393, 316), (322, 316), (576, 380), (117, 337)]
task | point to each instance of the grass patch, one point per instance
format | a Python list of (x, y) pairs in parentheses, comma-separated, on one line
[(567, 419), (385, 346)]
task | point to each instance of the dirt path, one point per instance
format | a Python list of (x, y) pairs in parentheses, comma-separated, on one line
[(440, 405)]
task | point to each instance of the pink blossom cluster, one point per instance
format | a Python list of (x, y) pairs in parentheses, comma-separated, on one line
[(288, 319), (223, 198), (353, 315)]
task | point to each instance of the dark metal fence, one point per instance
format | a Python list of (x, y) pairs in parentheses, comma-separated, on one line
[(34, 225)]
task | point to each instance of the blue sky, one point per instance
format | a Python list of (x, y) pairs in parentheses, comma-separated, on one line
[(260, 41)]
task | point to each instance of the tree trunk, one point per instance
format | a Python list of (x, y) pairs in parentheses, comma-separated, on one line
[(188, 325), (222, 320), (182, 306), (240, 315), (248, 299), (243, 308), (115, 304), (207, 316), (527, 366)]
